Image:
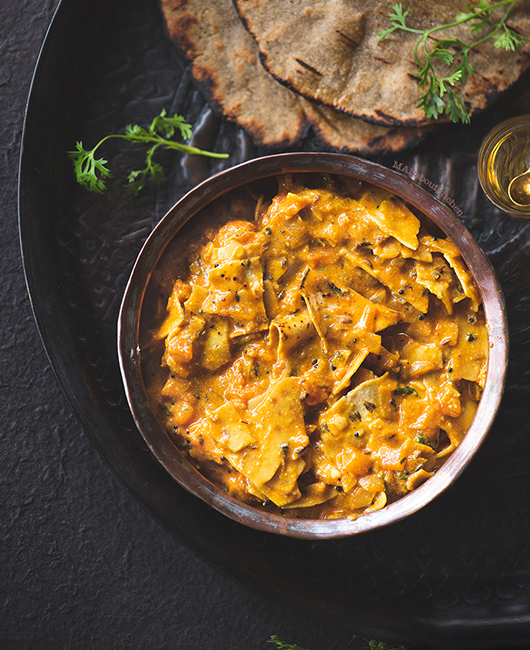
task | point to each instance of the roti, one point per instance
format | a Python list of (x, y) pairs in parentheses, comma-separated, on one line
[(225, 61), (327, 50), (346, 133)]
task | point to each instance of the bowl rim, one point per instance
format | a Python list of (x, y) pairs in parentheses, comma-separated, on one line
[(129, 354)]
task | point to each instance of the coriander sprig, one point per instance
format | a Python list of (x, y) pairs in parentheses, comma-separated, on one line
[(91, 172), (282, 645), (440, 95), (379, 645), (372, 644)]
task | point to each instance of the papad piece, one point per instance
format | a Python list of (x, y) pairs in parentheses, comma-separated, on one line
[(228, 429), (353, 412), (273, 462), (467, 288), (288, 331), (235, 289), (314, 494), (399, 277), (392, 216)]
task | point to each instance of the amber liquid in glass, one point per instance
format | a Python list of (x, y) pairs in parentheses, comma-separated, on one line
[(509, 158)]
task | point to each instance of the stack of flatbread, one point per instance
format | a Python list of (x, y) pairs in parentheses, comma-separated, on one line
[(280, 67)]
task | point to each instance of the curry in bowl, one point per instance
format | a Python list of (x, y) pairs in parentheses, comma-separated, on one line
[(313, 346)]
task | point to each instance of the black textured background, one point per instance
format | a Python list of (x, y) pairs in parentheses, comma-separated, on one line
[(81, 564)]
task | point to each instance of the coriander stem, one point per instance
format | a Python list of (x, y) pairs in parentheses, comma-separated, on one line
[(428, 33), (471, 16), (170, 144), (499, 26), (428, 68)]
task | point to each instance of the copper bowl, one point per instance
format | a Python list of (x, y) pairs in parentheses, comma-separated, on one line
[(165, 450)]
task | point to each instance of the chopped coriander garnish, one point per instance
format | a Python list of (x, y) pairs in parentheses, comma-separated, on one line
[(427, 443), (406, 390)]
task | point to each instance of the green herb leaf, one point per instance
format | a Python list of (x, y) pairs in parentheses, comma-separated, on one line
[(398, 19), (428, 443), (406, 390), (445, 55), (379, 645), (282, 645), (431, 103), (456, 108), (91, 172), (463, 16), (465, 68), (509, 40), (399, 16)]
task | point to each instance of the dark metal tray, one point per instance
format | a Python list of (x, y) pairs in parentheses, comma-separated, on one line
[(457, 574)]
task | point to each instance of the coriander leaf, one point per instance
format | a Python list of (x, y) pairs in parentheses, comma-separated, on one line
[(399, 16), (137, 179), (379, 645), (281, 645), (443, 54), (455, 78), (398, 20), (509, 40), (157, 172), (465, 68), (385, 33), (406, 390), (423, 441), (449, 42), (135, 132), (166, 126), (431, 103), (484, 6), (91, 172), (87, 167), (456, 108)]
